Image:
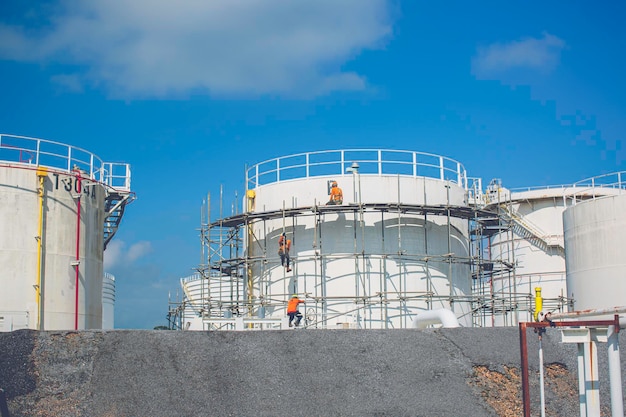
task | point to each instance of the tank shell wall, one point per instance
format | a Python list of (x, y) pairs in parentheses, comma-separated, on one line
[(19, 235), (222, 292), (373, 189), (219, 289), (367, 269), (595, 238)]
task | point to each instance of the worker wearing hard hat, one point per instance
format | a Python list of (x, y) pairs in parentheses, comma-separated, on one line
[(292, 310), (284, 245), (336, 195)]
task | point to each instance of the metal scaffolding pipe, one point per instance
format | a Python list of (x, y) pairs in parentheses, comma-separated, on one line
[(585, 313), (615, 372)]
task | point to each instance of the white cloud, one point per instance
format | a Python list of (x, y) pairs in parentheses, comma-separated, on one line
[(117, 253), (137, 250), (537, 54), (160, 48), (69, 82)]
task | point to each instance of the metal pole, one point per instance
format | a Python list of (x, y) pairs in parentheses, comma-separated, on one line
[(585, 313), (615, 371), (541, 379), (524, 366), (582, 396), (592, 389), (354, 186)]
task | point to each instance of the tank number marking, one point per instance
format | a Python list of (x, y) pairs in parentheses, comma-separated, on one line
[(70, 183)]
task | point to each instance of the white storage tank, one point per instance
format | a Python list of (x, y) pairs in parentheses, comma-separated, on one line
[(595, 238), (391, 250), (534, 244), (108, 301), (55, 218), (221, 294)]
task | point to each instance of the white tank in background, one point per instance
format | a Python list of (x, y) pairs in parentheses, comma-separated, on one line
[(56, 216), (220, 292), (534, 244), (595, 238), (108, 301)]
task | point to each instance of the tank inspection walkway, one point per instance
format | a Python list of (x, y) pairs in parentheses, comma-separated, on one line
[(486, 218), (483, 224)]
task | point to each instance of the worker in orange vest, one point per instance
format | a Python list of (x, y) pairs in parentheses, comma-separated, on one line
[(292, 310), (336, 195), (284, 245)]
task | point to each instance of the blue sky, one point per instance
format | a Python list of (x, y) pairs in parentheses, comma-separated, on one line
[(189, 93)]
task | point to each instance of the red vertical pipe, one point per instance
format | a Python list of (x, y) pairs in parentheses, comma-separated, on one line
[(524, 368), (77, 266)]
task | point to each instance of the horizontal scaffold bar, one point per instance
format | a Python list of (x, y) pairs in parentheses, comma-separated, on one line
[(462, 212)]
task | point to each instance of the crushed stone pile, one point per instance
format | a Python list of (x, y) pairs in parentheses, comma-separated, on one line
[(420, 373)]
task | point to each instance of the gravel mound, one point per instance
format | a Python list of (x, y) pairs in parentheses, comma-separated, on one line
[(427, 373)]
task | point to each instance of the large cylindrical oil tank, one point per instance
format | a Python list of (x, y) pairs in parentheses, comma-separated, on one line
[(52, 227), (595, 238), (395, 247)]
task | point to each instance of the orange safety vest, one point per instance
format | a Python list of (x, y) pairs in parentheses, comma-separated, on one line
[(292, 306), (336, 194), (281, 244)]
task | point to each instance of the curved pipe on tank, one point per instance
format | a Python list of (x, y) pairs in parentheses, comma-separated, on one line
[(441, 316)]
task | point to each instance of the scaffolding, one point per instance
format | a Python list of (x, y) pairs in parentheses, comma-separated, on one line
[(227, 266), (235, 280)]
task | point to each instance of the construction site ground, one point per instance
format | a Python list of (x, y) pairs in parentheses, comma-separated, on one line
[(297, 372)]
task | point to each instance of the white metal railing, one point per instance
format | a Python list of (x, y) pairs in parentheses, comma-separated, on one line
[(595, 187), (613, 180), (370, 162), (541, 187), (39, 152), (475, 190)]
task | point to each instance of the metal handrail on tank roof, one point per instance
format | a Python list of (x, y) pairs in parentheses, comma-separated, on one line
[(370, 162), (540, 187), (35, 152), (613, 180), (592, 187)]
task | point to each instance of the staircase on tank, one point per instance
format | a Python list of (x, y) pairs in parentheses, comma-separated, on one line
[(532, 233), (115, 204)]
